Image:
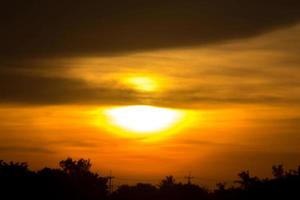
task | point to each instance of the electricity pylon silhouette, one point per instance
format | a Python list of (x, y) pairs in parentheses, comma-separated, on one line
[(110, 184), (189, 178)]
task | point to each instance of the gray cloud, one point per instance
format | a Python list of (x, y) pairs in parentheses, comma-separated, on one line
[(207, 96), (24, 149), (23, 88), (59, 28), (33, 30)]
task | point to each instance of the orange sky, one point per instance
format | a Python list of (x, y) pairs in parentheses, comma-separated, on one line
[(241, 100)]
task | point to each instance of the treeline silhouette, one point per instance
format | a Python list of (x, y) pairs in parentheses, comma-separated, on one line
[(74, 181)]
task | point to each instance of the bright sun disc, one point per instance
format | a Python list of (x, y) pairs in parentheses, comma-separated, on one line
[(143, 83), (143, 119)]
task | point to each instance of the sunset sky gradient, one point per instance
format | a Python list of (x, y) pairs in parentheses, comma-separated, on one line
[(230, 68)]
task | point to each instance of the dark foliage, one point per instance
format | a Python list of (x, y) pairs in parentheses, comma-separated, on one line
[(74, 181)]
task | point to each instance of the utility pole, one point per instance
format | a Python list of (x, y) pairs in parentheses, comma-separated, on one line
[(110, 184), (189, 178)]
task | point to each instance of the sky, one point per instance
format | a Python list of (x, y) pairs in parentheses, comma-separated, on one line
[(215, 83)]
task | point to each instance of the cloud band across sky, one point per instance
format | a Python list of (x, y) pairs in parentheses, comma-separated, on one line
[(51, 30), (48, 28)]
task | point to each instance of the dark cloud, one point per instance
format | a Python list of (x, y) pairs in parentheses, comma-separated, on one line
[(208, 95), (59, 28), (24, 149), (23, 88), (262, 156), (31, 89), (34, 31)]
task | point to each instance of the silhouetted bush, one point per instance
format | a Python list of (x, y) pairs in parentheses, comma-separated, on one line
[(74, 181)]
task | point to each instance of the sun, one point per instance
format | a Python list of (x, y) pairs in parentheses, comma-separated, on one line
[(143, 119), (142, 83)]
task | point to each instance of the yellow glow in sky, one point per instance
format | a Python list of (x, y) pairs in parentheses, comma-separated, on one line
[(143, 83), (143, 119)]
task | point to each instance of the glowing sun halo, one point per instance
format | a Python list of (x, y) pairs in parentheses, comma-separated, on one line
[(142, 83), (142, 118)]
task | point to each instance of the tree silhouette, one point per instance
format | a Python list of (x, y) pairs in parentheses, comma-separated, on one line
[(71, 166), (13, 168), (74, 181), (278, 171), (168, 182), (246, 180)]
